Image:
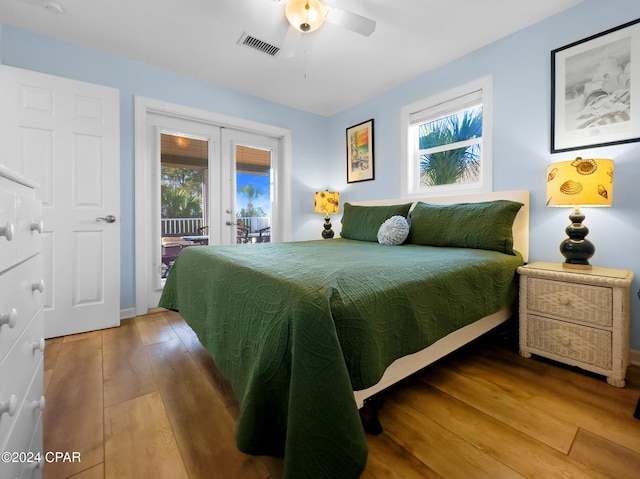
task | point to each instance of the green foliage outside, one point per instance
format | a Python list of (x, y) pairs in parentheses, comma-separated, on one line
[(458, 165), (181, 192)]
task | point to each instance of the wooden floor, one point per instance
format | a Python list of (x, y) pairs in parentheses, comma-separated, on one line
[(145, 400)]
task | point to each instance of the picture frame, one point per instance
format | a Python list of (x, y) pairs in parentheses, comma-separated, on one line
[(593, 100), (360, 154)]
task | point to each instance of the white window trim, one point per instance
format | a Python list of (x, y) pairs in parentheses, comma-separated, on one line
[(409, 167)]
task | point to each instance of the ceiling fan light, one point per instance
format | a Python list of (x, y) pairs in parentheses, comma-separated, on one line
[(305, 15)]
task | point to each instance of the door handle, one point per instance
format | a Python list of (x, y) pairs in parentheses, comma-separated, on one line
[(107, 219), (231, 223)]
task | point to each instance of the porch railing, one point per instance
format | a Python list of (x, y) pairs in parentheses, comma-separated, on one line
[(192, 226), (254, 223), (182, 226)]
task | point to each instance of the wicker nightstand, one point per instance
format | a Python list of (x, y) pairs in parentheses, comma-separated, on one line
[(577, 317)]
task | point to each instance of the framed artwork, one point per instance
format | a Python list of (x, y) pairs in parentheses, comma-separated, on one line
[(360, 152), (593, 100)]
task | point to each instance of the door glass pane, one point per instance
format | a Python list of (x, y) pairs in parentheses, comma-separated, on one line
[(253, 195), (183, 186)]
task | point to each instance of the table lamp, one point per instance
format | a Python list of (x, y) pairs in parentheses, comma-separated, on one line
[(327, 202), (576, 183)]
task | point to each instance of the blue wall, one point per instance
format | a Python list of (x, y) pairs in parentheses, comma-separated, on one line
[(519, 65)]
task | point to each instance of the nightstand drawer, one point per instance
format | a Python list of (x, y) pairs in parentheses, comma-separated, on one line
[(574, 301), (579, 343)]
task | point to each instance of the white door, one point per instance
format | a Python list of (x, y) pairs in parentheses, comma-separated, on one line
[(64, 134)]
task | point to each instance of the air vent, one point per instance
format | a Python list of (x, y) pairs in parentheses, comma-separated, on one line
[(253, 42)]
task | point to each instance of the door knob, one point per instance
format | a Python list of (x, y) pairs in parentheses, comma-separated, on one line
[(106, 219)]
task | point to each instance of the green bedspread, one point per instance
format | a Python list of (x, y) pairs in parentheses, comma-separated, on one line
[(296, 327)]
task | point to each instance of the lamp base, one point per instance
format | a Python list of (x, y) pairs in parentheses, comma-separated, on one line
[(576, 248), (577, 266), (327, 232)]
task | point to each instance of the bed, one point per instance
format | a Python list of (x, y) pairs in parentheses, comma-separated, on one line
[(306, 331)]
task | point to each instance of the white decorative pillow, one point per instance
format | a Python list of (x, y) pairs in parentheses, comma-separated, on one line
[(393, 231)]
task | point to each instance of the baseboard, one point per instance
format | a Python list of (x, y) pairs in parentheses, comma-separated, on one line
[(127, 313), (634, 357)]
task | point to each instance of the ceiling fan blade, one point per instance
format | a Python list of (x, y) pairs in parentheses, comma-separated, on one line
[(290, 43), (352, 21)]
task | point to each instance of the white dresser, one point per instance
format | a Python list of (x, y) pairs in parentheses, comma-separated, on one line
[(21, 329)]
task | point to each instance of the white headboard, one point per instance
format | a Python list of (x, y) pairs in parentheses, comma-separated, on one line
[(520, 225)]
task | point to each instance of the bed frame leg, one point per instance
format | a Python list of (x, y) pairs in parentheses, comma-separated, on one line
[(369, 414)]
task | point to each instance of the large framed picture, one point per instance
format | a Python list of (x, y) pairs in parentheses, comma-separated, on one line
[(593, 100), (360, 152)]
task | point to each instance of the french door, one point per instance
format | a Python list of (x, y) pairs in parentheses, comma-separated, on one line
[(170, 143), (249, 187), (207, 185)]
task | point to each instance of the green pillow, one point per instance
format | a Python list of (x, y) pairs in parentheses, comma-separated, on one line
[(363, 222), (485, 225)]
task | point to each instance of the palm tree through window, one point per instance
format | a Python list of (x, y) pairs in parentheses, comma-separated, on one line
[(450, 148)]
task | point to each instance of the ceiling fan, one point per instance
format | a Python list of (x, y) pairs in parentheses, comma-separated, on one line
[(306, 16)]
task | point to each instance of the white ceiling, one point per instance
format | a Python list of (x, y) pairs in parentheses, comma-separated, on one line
[(199, 39)]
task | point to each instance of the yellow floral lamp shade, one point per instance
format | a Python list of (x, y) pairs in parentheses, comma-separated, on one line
[(580, 182), (327, 202)]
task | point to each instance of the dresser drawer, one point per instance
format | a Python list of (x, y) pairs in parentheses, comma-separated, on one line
[(8, 243), (28, 225), (21, 436), (34, 471), (574, 301), (18, 368), (579, 343), (18, 300)]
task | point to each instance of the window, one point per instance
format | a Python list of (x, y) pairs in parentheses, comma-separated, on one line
[(448, 141)]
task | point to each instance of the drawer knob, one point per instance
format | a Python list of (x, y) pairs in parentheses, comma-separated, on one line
[(10, 319), (8, 231), (565, 301), (35, 465), (565, 341), (39, 404), (38, 286), (10, 406), (37, 226), (38, 345)]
